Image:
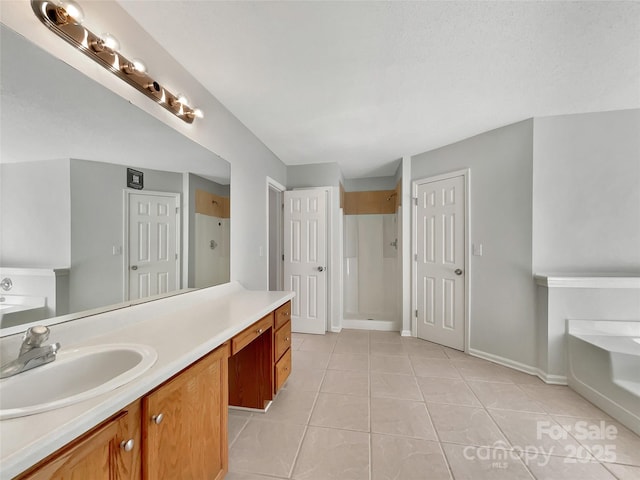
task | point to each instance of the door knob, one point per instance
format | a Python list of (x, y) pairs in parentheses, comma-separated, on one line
[(321, 269), (157, 419), (134, 267), (457, 271)]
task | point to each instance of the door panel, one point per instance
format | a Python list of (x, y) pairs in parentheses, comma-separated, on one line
[(440, 263), (153, 244), (305, 247)]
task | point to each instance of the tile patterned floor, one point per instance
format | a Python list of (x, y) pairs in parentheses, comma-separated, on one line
[(365, 405)]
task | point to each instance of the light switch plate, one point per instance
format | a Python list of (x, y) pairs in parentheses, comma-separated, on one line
[(477, 249)]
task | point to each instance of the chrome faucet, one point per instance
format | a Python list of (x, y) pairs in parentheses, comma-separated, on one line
[(32, 352)]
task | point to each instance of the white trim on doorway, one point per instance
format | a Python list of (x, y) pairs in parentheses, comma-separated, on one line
[(466, 174), (277, 187)]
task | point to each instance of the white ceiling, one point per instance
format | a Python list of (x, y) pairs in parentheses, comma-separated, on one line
[(363, 83)]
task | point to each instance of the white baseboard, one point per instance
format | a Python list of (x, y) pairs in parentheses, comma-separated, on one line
[(335, 329), (382, 325), (406, 333), (521, 367)]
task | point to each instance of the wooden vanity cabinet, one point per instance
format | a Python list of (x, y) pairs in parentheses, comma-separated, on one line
[(282, 342), (99, 454), (184, 424)]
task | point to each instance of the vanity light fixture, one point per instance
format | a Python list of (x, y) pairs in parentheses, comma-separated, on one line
[(65, 17)]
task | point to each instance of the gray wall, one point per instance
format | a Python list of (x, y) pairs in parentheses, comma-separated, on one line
[(502, 289), (313, 175), (34, 214), (586, 210), (370, 184), (97, 226)]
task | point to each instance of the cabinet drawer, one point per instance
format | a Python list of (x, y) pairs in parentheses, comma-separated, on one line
[(283, 314), (248, 335), (283, 369), (282, 340)]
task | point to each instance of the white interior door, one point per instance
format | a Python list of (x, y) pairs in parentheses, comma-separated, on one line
[(305, 265), (440, 261), (153, 244)]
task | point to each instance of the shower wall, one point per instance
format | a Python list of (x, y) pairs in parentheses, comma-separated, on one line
[(371, 271)]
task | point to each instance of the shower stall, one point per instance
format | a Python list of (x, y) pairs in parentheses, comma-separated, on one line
[(371, 271)]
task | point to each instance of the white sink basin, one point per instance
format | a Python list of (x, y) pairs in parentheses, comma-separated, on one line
[(76, 375)]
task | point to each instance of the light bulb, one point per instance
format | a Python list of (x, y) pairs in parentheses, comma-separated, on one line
[(198, 113), (139, 65), (182, 98), (73, 10), (110, 42)]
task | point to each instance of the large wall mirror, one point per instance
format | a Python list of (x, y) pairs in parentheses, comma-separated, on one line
[(101, 204)]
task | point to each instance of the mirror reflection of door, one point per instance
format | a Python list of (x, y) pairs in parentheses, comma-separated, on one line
[(153, 243)]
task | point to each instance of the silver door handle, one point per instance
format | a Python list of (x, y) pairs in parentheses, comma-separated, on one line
[(321, 269), (134, 267), (457, 271)]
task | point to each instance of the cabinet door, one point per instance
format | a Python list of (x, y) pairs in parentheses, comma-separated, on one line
[(91, 456), (189, 441)]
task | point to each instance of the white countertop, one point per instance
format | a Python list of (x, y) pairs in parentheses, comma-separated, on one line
[(181, 329)]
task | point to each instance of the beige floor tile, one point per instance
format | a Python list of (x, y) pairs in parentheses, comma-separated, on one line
[(425, 351), (400, 365), (401, 417), (309, 360), (266, 448), (304, 379), (350, 333), (384, 337), (447, 390), (466, 425), (341, 411), (455, 354), (397, 458), (478, 369), (472, 463), (352, 346), (623, 472), (607, 440), (433, 367), (249, 476), (507, 396), (387, 348), (290, 406), (235, 425), (296, 342), (328, 454), (537, 433), (347, 382), (349, 361), (560, 400), (394, 386), (554, 468), (318, 343)]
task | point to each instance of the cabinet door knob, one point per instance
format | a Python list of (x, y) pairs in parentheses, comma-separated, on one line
[(157, 419), (259, 331), (127, 445)]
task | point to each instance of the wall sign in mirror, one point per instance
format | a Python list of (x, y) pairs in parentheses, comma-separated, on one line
[(67, 219), (135, 179)]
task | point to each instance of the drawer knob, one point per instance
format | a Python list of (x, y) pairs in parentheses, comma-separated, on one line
[(127, 445), (286, 339), (157, 419), (259, 331), (285, 313)]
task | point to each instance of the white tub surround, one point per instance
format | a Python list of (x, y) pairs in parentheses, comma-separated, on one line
[(578, 297), (52, 284), (604, 366), (181, 329)]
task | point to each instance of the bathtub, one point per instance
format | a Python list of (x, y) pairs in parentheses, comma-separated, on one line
[(603, 362)]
